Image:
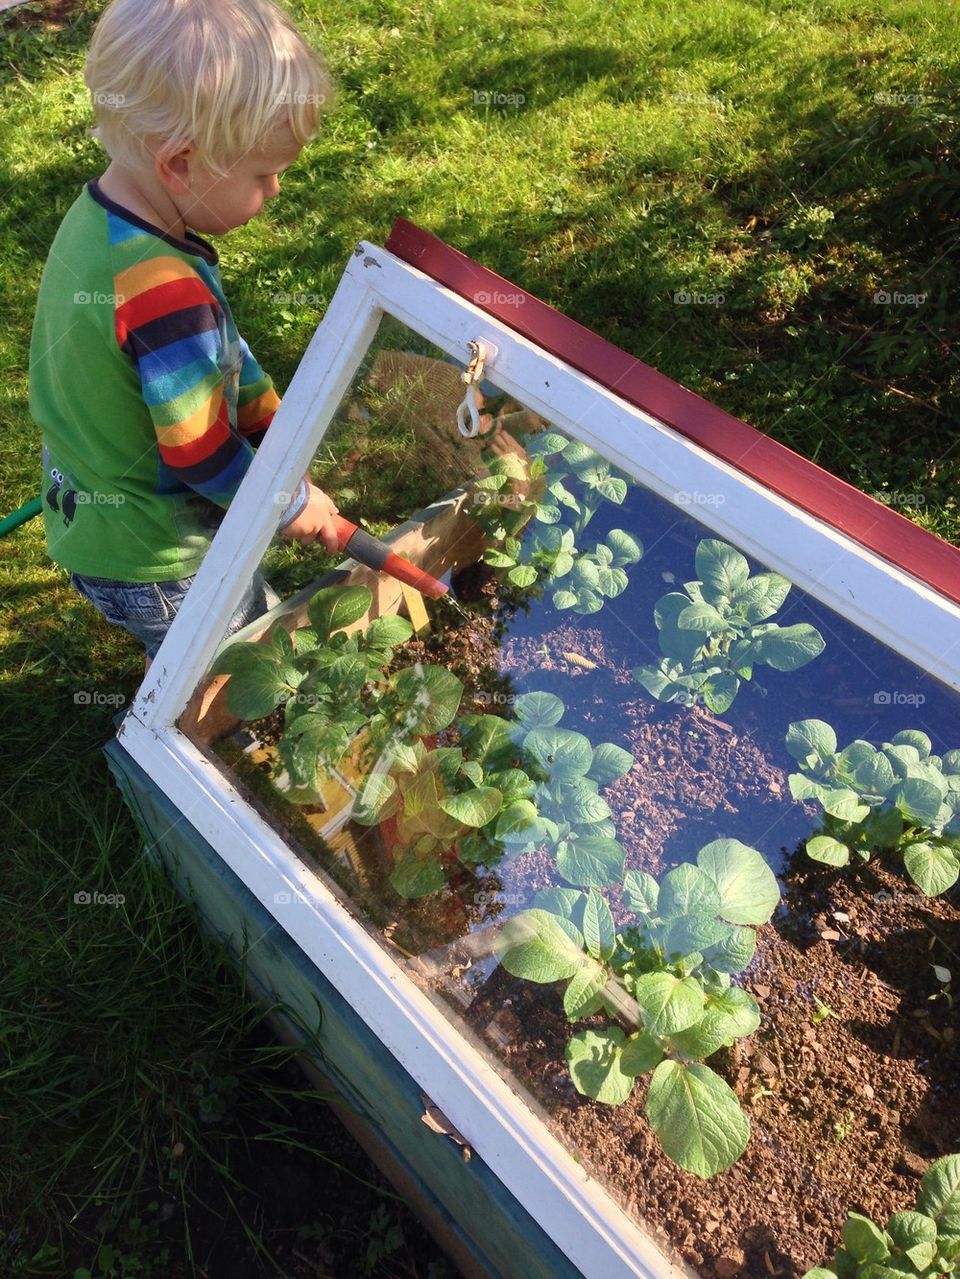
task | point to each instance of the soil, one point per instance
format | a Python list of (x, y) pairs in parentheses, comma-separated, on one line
[(851, 1082), (854, 1068)]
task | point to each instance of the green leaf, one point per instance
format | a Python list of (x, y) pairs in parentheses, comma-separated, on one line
[(826, 849), (701, 617), (883, 828), (416, 876), (761, 596), (591, 861), (687, 888), (749, 893), (809, 740), (919, 800), (472, 770), (786, 648), (939, 1196), (568, 902), (609, 763), (640, 1053), (693, 931), (714, 1030), (669, 1003), (598, 927), (431, 696), (388, 631), (902, 758), (680, 645), (734, 953), (913, 737), (259, 681), (626, 548), (582, 996), (654, 681), (565, 599), (594, 1060), (847, 809), (739, 1007), (498, 559), (560, 752), (516, 818), (541, 947), (545, 443), (818, 1272), (719, 692), (582, 805), (697, 1118), (377, 790), (933, 867), (874, 776), (720, 568), (863, 1240), (641, 892), (915, 1235), (522, 575), (613, 489), (335, 607), (474, 807)]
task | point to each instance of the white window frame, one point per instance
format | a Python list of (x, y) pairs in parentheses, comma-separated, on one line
[(887, 602)]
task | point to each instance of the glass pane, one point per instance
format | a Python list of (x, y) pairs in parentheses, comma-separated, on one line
[(668, 839)]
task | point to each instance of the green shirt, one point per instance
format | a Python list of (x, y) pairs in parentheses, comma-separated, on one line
[(149, 401)]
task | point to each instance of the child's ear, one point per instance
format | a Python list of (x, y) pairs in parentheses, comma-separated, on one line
[(173, 166)]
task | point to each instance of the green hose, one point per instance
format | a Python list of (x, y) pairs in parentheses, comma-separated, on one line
[(10, 522)]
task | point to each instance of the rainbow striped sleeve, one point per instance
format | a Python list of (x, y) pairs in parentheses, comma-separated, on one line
[(171, 325), (257, 401)]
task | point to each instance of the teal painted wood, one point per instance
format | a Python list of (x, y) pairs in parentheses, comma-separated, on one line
[(470, 1200)]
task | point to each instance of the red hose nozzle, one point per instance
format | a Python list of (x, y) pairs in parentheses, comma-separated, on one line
[(361, 546)]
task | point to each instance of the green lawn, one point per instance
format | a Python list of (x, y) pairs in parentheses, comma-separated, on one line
[(790, 159)]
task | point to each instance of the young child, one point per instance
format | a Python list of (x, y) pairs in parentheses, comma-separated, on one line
[(150, 402)]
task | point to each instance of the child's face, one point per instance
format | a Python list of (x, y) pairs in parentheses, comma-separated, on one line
[(213, 205)]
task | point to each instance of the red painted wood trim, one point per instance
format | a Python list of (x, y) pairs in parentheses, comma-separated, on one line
[(832, 500)]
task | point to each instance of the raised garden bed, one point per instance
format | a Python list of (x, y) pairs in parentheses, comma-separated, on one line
[(646, 851)]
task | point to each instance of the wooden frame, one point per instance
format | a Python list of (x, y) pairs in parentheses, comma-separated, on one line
[(891, 603)]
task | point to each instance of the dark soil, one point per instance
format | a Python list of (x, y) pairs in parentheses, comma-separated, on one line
[(851, 1082), (862, 1082)]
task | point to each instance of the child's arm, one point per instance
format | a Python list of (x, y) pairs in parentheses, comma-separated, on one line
[(169, 324)]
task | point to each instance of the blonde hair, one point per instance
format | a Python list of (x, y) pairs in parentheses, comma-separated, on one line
[(221, 74)]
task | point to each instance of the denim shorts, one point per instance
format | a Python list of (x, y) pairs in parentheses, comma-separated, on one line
[(146, 609)]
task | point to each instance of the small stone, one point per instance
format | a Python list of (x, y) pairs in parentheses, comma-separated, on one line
[(868, 1091), (730, 1264), (911, 1163), (829, 934)]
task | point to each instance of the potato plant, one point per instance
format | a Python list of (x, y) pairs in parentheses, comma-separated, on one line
[(447, 803), (331, 684), (663, 984), (898, 796), (516, 492), (924, 1242), (566, 814), (715, 632)]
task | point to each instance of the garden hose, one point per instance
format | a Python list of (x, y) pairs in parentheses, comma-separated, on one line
[(353, 540), (366, 549), (18, 517)]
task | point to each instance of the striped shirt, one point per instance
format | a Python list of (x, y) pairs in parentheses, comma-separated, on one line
[(150, 402)]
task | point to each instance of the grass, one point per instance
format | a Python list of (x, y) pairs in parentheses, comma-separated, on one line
[(785, 161)]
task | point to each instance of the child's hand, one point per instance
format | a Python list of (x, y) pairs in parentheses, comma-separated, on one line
[(315, 520)]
